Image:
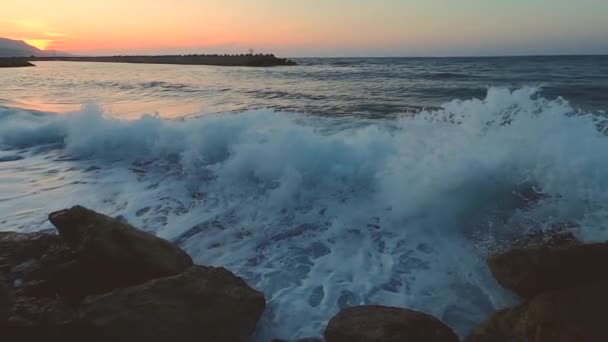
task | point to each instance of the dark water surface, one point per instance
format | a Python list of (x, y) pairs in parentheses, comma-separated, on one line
[(341, 86)]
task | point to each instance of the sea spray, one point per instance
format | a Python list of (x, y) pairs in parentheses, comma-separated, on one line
[(322, 212)]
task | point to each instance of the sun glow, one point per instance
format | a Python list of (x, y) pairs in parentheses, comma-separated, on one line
[(41, 44)]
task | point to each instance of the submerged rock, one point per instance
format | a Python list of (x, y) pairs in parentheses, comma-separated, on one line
[(568, 315), (117, 251), (532, 271), (201, 304), (386, 324)]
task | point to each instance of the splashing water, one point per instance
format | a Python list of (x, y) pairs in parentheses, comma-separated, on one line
[(321, 213)]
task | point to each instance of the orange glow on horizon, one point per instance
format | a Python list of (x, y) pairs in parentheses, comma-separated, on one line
[(305, 28), (136, 26), (42, 44)]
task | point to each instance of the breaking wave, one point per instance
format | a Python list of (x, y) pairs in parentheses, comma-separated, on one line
[(321, 213)]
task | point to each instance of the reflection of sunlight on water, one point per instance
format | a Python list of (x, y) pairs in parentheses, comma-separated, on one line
[(123, 90), (128, 109), (42, 105), (133, 110)]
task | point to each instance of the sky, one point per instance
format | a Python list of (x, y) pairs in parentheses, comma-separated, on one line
[(295, 28)]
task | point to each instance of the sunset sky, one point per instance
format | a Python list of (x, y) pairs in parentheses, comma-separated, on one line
[(311, 27)]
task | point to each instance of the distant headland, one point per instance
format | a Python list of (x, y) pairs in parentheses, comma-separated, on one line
[(249, 60)]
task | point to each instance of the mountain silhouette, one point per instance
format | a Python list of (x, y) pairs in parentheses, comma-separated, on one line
[(19, 48)]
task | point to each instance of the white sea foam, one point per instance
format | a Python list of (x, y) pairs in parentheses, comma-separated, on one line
[(321, 213)]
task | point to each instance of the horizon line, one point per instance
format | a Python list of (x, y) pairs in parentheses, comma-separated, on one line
[(69, 54)]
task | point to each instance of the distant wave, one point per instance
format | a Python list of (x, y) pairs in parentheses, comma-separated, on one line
[(447, 75)]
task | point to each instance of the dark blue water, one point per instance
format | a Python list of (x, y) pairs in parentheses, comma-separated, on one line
[(392, 85), (341, 86)]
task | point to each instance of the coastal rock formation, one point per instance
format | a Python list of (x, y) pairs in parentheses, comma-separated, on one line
[(117, 251), (564, 285), (201, 304), (531, 271), (386, 324), (101, 279), (569, 315)]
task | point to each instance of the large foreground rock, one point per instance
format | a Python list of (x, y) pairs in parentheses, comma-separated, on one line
[(568, 315), (102, 280), (386, 324), (532, 271), (118, 252), (201, 304)]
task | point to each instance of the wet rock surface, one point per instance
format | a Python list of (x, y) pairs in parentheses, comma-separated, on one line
[(563, 283), (567, 315), (200, 304), (116, 250), (101, 279), (386, 324), (531, 271)]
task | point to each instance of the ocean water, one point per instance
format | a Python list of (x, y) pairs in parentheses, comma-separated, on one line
[(334, 183)]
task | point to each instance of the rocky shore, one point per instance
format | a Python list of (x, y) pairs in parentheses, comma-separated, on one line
[(14, 63), (100, 279), (563, 285)]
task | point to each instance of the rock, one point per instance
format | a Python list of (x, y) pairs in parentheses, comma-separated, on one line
[(559, 235), (568, 315), (499, 328), (43, 266), (386, 324), (31, 311), (116, 251), (36, 310), (137, 287), (201, 304), (16, 248), (41, 319), (6, 300), (531, 271)]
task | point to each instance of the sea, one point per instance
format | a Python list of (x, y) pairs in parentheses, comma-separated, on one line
[(334, 183)]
